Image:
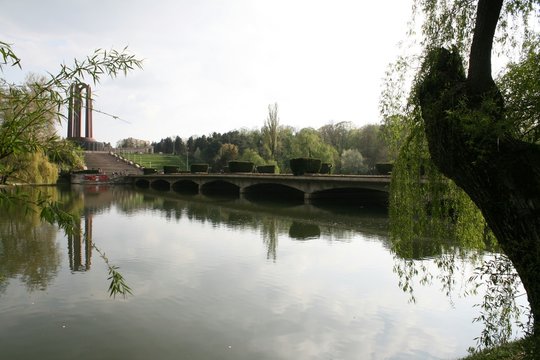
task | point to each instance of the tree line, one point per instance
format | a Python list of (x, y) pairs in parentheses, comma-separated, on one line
[(350, 150)]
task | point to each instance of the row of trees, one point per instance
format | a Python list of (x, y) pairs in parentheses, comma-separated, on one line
[(351, 150)]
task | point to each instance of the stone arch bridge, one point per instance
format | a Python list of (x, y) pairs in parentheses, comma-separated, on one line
[(366, 189)]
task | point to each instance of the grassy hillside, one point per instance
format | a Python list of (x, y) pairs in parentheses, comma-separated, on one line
[(156, 161)]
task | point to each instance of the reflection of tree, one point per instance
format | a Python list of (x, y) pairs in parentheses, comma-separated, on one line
[(28, 249), (269, 231)]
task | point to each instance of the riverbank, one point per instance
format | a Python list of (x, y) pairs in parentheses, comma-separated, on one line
[(516, 350)]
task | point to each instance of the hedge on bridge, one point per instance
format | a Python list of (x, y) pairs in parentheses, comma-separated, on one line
[(301, 166), (240, 166), (170, 169), (199, 168)]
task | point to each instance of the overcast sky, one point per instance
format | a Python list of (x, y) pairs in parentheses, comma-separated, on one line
[(216, 65)]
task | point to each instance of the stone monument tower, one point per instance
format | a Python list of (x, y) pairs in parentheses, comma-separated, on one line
[(75, 117)]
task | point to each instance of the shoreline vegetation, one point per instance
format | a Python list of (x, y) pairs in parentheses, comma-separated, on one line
[(521, 349)]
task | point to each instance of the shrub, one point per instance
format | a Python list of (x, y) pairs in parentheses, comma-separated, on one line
[(169, 169), (199, 168), (301, 166), (240, 166)]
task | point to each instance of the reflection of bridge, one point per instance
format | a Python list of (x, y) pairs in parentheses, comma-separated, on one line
[(310, 187)]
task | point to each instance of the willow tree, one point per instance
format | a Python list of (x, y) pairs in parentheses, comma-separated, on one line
[(27, 112), (469, 159)]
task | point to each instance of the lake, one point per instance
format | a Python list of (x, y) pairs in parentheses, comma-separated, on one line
[(218, 278)]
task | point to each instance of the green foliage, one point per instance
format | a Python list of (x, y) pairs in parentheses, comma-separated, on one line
[(131, 143), (498, 311), (520, 87), (118, 285), (29, 248), (252, 156), (33, 168), (8, 56), (308, 143), (425, 204), (523, 349), (66, 155), (371, 144), (227, 153), (352, 162), (450, 23), (253, 145), (338, 135), (270, 132)]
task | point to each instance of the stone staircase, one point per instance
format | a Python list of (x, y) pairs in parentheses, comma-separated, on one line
[(109, 164)]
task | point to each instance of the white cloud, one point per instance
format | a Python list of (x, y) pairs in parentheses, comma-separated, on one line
[(215, 66)]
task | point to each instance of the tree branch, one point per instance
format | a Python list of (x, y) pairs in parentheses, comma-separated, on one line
[(487, 16)]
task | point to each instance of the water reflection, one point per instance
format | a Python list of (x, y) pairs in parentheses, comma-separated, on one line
[(28, 248), (304, 231), (82, 236), (218, 278), (269, 218)]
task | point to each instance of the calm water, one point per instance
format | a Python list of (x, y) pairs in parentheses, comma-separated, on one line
[(217, 279)]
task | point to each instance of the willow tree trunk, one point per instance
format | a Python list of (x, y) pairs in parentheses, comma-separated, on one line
[(465, 127)]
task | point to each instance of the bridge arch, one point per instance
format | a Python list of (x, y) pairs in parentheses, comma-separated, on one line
[(185, 187), (142, 183), (160, 185)]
